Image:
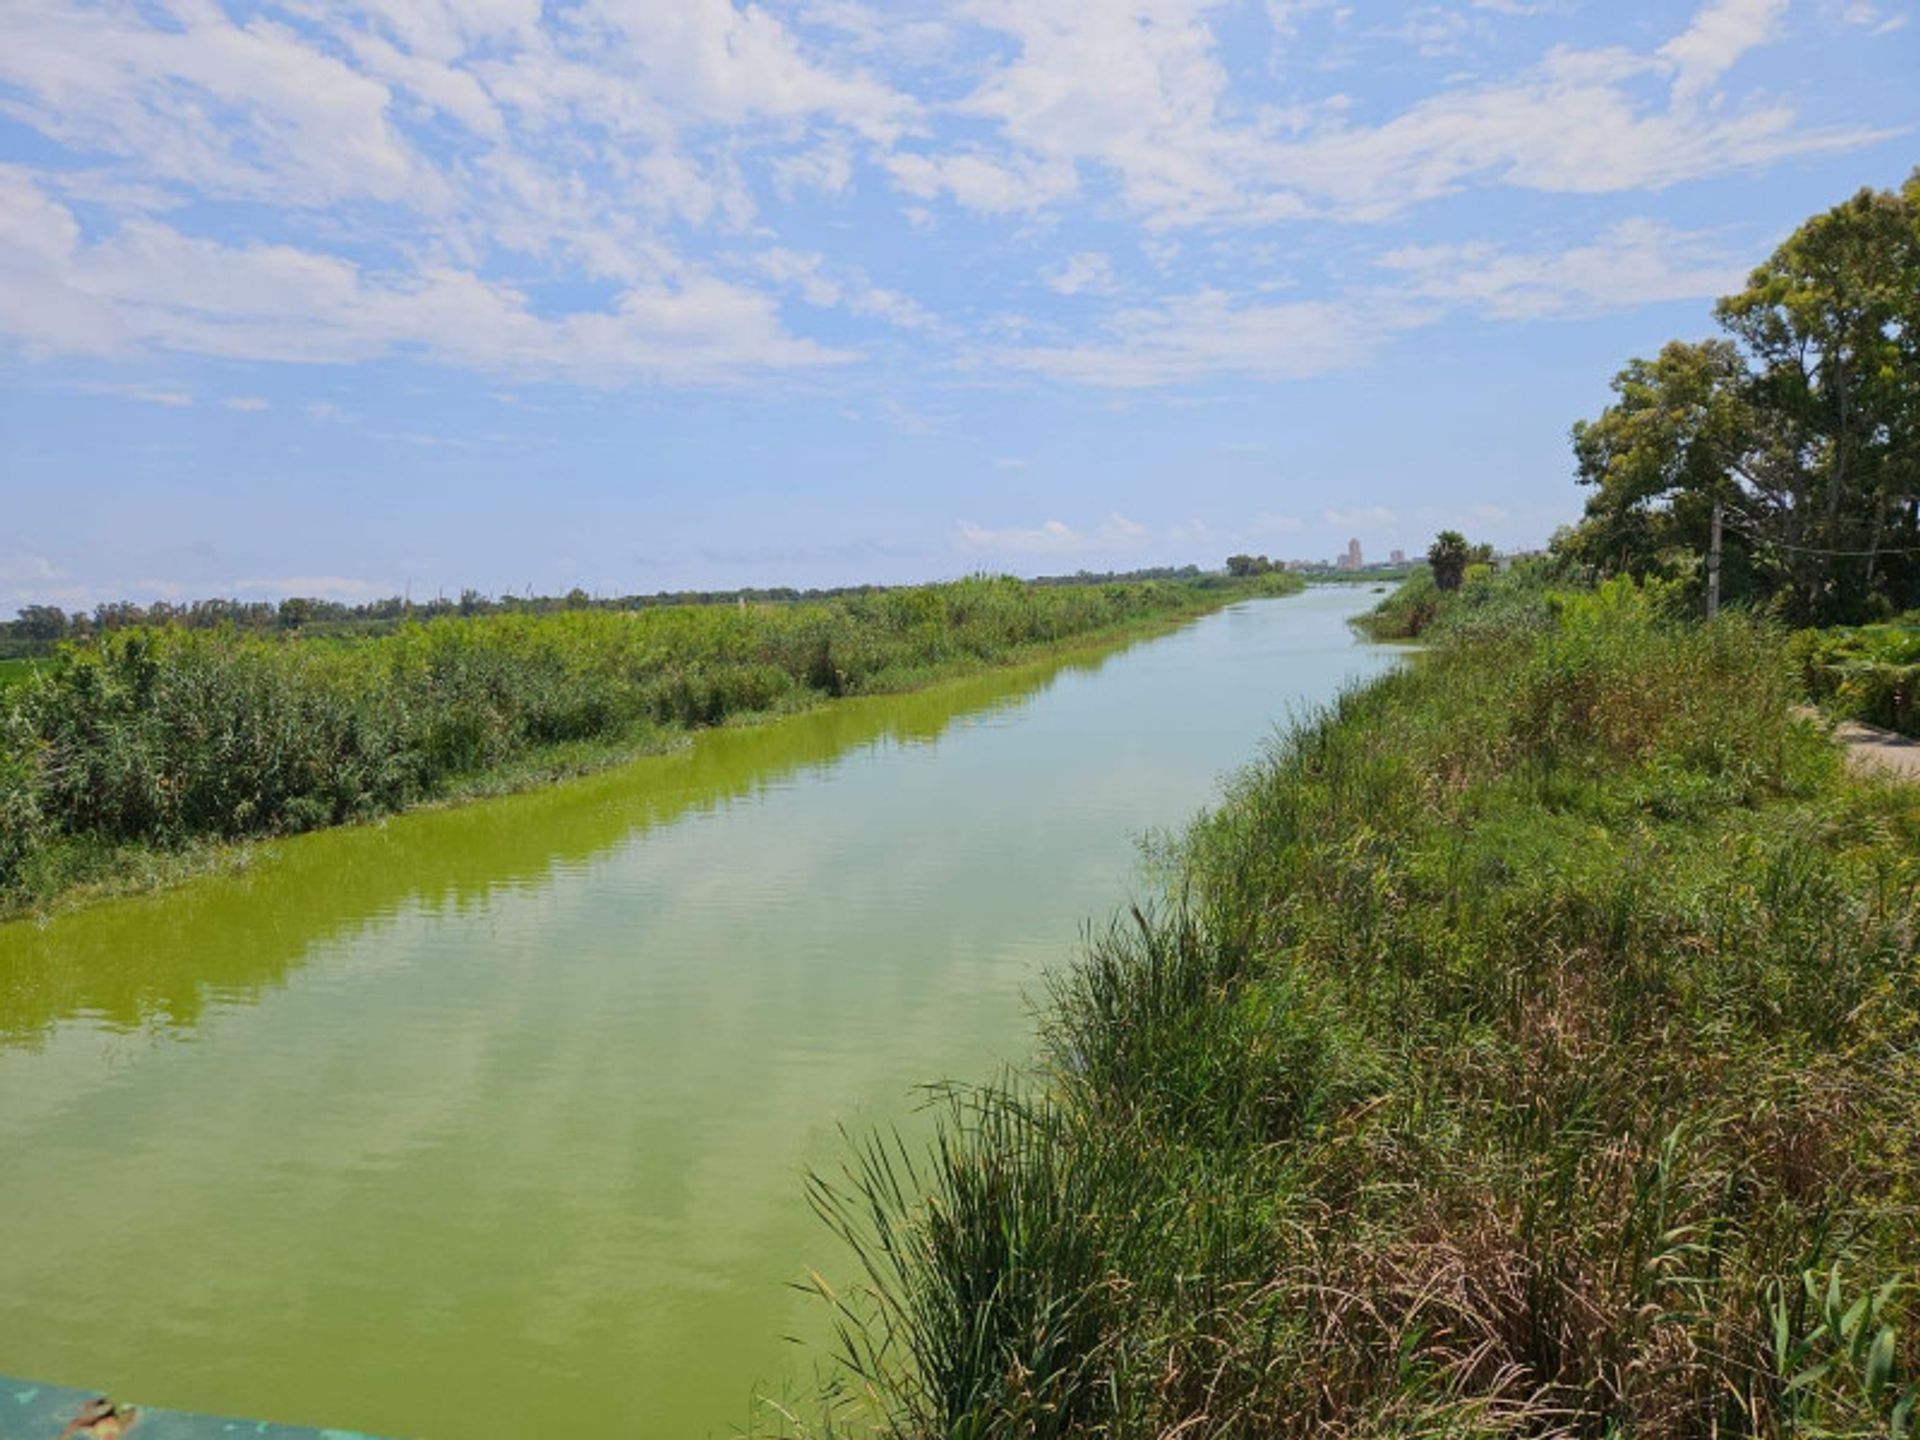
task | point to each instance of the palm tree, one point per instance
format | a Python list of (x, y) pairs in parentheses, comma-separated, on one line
[(1448, 556)]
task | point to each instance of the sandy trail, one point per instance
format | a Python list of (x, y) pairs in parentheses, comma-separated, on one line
[(1883, 752)]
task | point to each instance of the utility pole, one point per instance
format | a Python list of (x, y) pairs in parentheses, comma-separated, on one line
[(1713, 562)]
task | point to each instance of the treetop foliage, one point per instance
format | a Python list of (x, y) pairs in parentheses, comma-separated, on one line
[(1801, 422)]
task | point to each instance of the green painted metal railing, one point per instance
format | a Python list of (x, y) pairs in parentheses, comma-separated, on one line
[(30, 1411)]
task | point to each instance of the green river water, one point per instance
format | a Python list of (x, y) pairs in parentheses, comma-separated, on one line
[(492, 1121)]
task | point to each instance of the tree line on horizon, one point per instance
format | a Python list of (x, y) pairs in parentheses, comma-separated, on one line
[(145, 742), (37, 629), (1799, 424)]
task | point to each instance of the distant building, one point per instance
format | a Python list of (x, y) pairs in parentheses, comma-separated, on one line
[(1398, 557), (1503, 562), (1352, 559)]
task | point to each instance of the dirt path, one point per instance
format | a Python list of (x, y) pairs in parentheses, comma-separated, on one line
[(1871, 749)]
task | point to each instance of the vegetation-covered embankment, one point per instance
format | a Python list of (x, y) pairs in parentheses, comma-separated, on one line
[(1530, 1045), (146, 745)]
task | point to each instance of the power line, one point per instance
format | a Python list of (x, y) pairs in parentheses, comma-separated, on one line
[(1814, 549)]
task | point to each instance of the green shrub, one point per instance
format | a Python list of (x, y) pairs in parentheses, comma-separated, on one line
[(1406, 611), (1866, 672)]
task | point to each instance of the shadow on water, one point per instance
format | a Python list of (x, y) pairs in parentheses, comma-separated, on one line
[(156, 962)]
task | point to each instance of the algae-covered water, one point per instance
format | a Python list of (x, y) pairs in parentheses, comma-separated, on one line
[(492, 1121)]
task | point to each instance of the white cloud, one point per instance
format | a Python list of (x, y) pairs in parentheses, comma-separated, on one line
[(1722, 31), (1138, 92), (1206, 335), (730, 65), (246, 404), (1637, 262), (1135, 88), (820, 284), (488, 128), (1434, 31), (1870, 15), (827, 167), (28, 570), (1084, 272), (1052, 537), (148, 286), (1570, 125), (1285, 16), (145, 394), (978, 182), (429, 180), (229, 109)]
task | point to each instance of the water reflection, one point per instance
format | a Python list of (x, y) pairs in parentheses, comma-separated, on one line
[(157, 961), (505, 1107)]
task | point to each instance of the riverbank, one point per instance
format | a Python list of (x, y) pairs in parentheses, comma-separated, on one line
[(125, 818), (576, 1045), (1529, 1044)]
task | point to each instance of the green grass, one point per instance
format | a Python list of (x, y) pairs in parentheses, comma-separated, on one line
[(137, 757), (1528, 1046)]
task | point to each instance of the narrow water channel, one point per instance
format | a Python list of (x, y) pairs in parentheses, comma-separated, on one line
[(492, 1121)]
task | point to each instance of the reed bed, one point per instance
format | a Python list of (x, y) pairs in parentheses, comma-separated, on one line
[(160, 740), (1527, 1046)]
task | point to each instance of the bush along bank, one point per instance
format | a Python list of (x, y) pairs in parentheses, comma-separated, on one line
[(1529, 1046), (1865, 672), (158, 742)]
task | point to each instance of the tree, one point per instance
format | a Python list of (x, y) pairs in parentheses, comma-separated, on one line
[(1244, 565), (42, 623), (1448, 557), (1673, 443), (118, 615), (1804, 424), (1829, 324)]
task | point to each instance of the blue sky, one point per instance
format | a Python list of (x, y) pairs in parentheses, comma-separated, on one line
[(321, 298)]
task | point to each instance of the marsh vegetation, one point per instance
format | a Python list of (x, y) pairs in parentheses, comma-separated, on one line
[(1528, 1045), (154, 740)]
